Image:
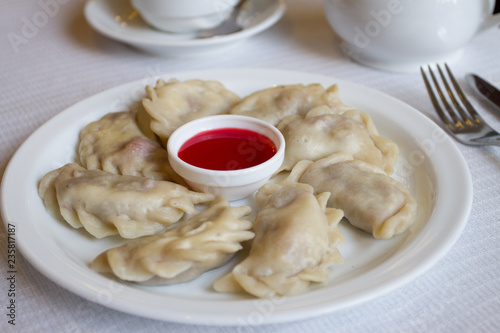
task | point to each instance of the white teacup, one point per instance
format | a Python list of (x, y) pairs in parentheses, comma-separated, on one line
[(184, 16), (401, 35)]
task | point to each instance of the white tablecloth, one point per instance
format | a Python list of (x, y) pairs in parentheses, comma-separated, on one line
[(65, 61)]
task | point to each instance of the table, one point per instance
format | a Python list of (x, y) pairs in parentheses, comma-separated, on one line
[(63, 61)]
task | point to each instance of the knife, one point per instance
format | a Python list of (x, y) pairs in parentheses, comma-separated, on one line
[(485, 90)]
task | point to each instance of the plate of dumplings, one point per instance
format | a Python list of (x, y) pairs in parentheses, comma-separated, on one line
[(365, 201)]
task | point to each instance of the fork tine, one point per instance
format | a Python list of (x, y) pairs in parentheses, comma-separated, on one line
[(445, 118), (463, 114), (470, 130), (473, 115), (457, 121)]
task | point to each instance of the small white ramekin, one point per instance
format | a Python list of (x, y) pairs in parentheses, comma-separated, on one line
[(232, 184)]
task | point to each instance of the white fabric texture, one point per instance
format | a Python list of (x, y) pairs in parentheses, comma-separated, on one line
[(64, 61)]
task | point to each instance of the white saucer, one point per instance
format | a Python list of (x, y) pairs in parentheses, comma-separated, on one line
[(116, 19)]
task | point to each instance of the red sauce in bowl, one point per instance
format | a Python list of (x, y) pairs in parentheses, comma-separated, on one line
[(227, 149)]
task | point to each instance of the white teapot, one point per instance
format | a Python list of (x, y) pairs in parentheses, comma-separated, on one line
[(401, 35)]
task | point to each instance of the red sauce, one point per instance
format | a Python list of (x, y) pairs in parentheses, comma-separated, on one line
[(227, 149)]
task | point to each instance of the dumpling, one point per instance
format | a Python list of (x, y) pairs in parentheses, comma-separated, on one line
[(295, 243), (173, 103), (205, 241), (371, 200), (106, 204), (116, 144), (321, 133), (274, 104)]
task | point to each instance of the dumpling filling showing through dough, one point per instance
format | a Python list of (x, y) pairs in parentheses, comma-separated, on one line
[(115, 143), (205, 241)]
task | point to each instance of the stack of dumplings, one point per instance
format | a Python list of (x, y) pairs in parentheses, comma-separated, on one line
[(337, 167), (205, 241)]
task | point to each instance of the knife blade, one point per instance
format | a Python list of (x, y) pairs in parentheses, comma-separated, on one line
[(485, 90)]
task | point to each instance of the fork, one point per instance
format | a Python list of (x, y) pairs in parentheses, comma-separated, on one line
[(462, 120)]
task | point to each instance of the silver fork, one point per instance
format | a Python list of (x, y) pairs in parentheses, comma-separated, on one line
[(462, 120)]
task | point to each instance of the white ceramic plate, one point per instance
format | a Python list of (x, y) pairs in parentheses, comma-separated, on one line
[(430, 164), (117, 20)]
